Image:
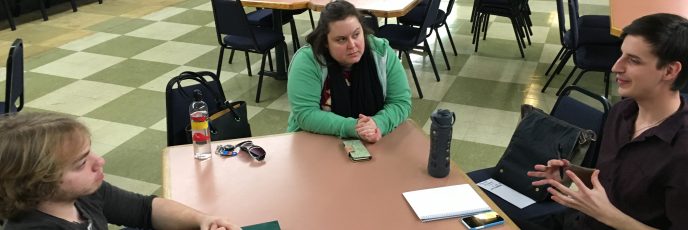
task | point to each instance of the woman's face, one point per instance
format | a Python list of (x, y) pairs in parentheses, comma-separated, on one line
[(345, 41)]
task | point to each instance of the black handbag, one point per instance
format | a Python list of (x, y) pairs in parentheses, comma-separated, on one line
[(537, 139), (228, 120)]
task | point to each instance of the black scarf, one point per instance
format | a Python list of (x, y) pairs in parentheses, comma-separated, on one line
[(365, 94)]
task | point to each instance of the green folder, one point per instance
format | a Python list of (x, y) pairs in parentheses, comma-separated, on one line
[(272, 225)]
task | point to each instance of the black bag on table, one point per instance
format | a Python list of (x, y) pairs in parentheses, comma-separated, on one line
[(537, 139), (228, 120)]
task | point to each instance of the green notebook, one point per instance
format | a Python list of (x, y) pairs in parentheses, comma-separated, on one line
[(272, 225)]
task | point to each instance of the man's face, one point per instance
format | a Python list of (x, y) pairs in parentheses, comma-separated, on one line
[(636, 70), (83, 173)]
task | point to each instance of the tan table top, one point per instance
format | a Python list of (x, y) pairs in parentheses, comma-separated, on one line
[(623, 12), (380, 8), (277, 4), (308, 182)]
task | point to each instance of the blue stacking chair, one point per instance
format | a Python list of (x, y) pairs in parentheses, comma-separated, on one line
[(234, 32), (593, 33), (590, 57), (516, 10), (575, 112), (406, 38), (14, 79), (415, 18)]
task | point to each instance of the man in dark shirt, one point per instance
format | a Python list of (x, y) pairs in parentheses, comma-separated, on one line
[(50, 179), (640, 182)]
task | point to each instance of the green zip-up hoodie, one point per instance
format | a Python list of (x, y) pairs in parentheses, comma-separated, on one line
[(306, 80)]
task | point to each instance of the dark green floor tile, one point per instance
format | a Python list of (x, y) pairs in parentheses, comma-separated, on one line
[(209, 61), (124, 46), (132, 72), (484, 93), (269, 121), (194, 17), (203, 35), (45, 58), (120, 25), (508, 49), (471, 156), (421, 110), (553, 36), (272, 89), (36, 84), (538, 19), (138, 158), (139, 107)]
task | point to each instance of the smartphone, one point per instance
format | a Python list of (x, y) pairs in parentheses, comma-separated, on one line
[(356, 150), (482, 220)]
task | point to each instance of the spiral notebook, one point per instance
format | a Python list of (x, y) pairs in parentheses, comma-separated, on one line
[(445, 202)]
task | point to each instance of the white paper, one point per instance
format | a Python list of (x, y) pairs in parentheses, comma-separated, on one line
[(445, 202), (512, 196)]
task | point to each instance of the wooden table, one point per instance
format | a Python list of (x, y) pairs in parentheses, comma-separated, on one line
[(380, 8), (307, 182), (623, 12)]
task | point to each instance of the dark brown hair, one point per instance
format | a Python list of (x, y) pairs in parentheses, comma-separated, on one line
[(334, 11)]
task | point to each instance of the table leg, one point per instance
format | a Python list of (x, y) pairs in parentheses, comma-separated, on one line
[(280, 51)]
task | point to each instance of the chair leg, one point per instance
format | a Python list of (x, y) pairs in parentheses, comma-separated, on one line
[(575, 82), (260, 77), (100, 1), (294, 36), (73, 2), (561, 88), (248, 64), (41, 3), (606, 84), (563, 61), (413, 73), (444, 53), (8, 12), (310, 15), (231, 56), (476, 34), (219, 61), (450, 38), (555, 60), (270, 61), (432, 59), (286, 57), (518, 37)]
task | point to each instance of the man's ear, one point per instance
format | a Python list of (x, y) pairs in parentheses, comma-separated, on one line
[(672, 70)]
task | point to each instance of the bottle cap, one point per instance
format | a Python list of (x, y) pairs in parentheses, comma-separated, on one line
[(443, 117)]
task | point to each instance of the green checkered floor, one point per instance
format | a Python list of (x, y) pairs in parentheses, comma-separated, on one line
[(108, 65)]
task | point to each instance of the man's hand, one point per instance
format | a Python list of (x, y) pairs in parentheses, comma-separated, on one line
[(217, 223), (549, 172), (367, 129)]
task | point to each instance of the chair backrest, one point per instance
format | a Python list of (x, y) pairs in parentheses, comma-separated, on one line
[(14, 83), (450, 6), (230, 19), (370, 20), (430, 17), (561, 18), (584, 116), (178, 99)]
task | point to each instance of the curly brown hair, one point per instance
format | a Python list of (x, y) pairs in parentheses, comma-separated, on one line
[(34, 151)]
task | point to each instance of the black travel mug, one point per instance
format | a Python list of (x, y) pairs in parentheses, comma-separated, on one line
[(440, 141)]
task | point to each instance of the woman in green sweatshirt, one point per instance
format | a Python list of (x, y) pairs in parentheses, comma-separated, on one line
[(346, 82)]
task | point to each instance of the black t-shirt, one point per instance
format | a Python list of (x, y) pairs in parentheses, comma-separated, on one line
[(107, 205)]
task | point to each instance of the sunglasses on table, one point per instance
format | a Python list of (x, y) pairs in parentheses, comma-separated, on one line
[(255, 151)]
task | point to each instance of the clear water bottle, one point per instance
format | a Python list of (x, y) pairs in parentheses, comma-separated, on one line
[(200, 134), (440, 141)]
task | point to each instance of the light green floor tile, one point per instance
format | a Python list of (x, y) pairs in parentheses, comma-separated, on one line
[(194, 17), (120, 25), (471, 156), (139, 158), (124, 46), (139, 107), (203, 35), (483, 93), (131, 72), (269, 121), (190, 4)]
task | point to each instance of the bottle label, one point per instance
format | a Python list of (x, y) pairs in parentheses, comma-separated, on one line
[(195, 125), (199, 137), (198, 118)]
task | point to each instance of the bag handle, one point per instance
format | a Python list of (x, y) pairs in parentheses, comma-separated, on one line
[(198, 77)]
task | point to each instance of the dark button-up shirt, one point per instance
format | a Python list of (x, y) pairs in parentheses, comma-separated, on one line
[(645, 177)]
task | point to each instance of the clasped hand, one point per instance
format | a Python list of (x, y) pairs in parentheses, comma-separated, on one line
[(367, 129)]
